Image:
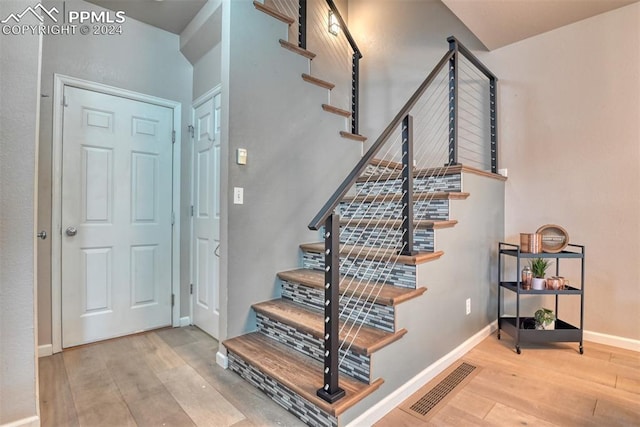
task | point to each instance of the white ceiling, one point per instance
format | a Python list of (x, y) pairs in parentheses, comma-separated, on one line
[(170, 15), (498, 23)]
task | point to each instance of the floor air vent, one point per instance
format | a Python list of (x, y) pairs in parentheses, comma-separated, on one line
[(431, 397)]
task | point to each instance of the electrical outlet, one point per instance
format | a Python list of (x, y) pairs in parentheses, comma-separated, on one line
[(238, 195), (468, 306)]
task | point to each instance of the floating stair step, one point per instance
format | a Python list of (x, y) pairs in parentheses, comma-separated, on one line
[(384, 294), (273, 13), (316, 81), (335, 110), (376, 254), (353, 136), (387, 164), (396, 223), (418, 196), (367, 341), (293, 371), (296, 49)]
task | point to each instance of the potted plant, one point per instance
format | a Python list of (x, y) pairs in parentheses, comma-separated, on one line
[(538, 268), (544, 318)]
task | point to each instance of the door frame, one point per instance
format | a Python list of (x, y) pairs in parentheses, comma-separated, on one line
[(210, 94), (60, 81)]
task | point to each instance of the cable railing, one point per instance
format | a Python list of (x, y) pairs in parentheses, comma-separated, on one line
[(319, 27), (385, 209)]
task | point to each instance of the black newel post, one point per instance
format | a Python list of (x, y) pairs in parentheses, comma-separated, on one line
[(493, 118), (302, 24), (453, 103), (407, 186), (330, 391), (355, 92)]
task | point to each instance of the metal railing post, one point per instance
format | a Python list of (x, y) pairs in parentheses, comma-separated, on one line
[(453, 104), (302, 24), (331, 391), (355, 92), (407, 186), (493, 122)]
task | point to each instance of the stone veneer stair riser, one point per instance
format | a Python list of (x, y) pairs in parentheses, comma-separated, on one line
[(402, 275), (446, 183), (437, 210), (371, 314), (292, 402), (423, 238), (355, 365)]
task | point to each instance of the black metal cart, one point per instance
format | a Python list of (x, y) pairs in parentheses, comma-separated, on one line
[(563, 332)]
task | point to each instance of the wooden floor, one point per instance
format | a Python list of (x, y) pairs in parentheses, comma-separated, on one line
[(545, 385), (169, 378)]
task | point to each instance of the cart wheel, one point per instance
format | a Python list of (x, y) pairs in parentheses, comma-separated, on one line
[(518, 349), (581, 349)]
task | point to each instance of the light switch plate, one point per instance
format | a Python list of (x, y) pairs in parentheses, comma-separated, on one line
[(238, 195)]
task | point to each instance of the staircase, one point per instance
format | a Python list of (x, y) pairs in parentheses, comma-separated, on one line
[(285, 356)]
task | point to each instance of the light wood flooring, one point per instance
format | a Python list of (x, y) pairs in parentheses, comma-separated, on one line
[(546, 385), (169, 378)]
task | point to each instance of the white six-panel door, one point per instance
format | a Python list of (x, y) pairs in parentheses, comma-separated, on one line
[(206, 216), (116, 216)]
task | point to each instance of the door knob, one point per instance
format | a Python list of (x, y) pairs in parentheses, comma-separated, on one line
[(71, 231), (42, 235)]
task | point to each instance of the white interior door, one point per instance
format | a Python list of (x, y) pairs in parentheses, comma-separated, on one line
[(116, 216), (206, 216)]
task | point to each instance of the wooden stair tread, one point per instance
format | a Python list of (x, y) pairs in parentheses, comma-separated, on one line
[(366, 339), (299, 373), (335, 110), (436, 172), (384, 293), (397, 223), (316, 81), (376, 254), (417, 196), (273, 13), (296, 49), (386, 164), (353, 136)]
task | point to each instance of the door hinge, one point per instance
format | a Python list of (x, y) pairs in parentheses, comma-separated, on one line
[(192, 131), (192, 210), (173, 218), (191, 289), (173, 300), (64, 101), (173, 136)]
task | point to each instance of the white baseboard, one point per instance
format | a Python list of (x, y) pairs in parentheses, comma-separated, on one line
[(185, 321), (376, 412), (45, 350), (25, 422), (612, 340), (222, 360)]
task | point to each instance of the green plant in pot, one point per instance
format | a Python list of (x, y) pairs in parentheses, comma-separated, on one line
[(544, 318), (539, 269)]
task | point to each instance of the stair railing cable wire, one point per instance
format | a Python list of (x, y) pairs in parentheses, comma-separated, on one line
[(380, 217)]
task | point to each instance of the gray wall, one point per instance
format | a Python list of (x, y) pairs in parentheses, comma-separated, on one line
[(570, 103), (143, 59), (436, 322), (19, 88), (207, 71), (402, 41), (296, 159)]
